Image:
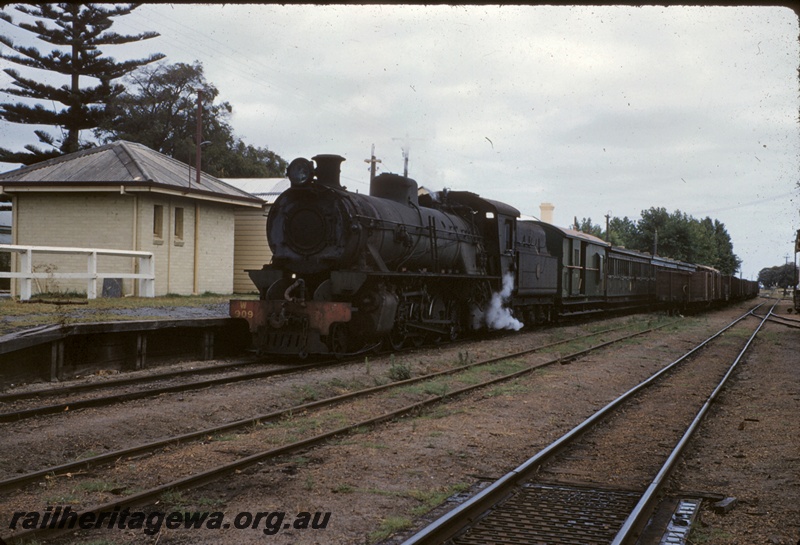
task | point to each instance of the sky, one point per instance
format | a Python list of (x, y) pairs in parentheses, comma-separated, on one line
[(596, 109)]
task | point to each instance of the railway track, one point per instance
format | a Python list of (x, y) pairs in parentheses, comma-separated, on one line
[(20, 402), (574, 491), (68, 389), (147, 390), (319, 428)]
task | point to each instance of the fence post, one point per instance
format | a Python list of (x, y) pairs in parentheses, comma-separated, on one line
[(26, 283), (147, 285), (91, 285)]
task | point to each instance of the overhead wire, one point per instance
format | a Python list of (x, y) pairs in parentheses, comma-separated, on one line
[(239, 62)]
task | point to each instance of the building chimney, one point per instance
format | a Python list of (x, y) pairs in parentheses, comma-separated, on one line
[(546, 212)]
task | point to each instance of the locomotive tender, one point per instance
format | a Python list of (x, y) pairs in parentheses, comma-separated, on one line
[(350, 271)]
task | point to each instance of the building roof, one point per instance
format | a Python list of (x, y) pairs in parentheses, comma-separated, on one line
[(267, 189), (572, 233), (126, 167)]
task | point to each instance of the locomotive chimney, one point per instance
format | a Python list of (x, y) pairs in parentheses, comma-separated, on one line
[(328, 169), (546, 212)]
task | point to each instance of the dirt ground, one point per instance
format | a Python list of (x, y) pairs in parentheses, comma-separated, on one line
[(749, 448), (379, 485)]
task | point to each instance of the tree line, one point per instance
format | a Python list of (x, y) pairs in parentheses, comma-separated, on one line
[(676, 236), (141, 100), (779, 276), (157, 104)]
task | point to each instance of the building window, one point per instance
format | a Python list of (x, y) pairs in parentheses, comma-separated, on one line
[(158, 221), (178, 224)]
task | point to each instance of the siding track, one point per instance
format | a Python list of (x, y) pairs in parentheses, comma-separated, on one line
[(528, 504)]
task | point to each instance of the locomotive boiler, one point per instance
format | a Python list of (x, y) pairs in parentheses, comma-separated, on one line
[(351, 270)]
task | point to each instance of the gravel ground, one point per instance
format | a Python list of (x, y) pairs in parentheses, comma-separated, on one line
[(19, 317), (381, 482), (749, 448), (78, 314)]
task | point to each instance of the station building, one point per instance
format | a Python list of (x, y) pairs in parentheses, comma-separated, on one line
[(125, 196)]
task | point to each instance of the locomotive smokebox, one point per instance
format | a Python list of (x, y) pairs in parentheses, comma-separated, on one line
[(328, 169)]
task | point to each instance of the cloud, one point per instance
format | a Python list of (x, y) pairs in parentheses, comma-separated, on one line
[(593, 108)]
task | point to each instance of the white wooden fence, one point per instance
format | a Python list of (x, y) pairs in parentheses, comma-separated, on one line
[(146, 275)]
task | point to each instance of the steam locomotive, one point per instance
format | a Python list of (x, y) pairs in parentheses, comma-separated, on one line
[(351, 271)]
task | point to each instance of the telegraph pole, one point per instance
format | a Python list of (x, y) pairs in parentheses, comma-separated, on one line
[(198, 137), (608, 235), (372, 162), (655, 242)]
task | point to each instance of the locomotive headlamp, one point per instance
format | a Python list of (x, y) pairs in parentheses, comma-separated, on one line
[(300, 171)]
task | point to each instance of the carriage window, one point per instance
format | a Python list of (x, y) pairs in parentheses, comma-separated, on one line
[(509, 235)]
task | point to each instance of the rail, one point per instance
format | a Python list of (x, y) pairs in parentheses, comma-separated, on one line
[(26, 274), (449, 524)]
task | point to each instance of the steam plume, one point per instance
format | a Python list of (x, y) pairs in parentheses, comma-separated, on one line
[(498, 316)]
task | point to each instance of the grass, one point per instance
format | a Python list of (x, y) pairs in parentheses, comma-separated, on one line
[(389, 526), (211, 503), (700, 534), (306, 393), (428, 499), (399, 371), (432, 498), (507, 389), (63, 499), (87, 454), (505, 367), (434, 387), (174, 499), (98, 486)]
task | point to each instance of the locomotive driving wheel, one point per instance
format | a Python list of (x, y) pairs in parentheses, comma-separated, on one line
[(337, 340), (396, 338)]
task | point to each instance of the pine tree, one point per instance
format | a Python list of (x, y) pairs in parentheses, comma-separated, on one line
[(159, 110), (77, 31)]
